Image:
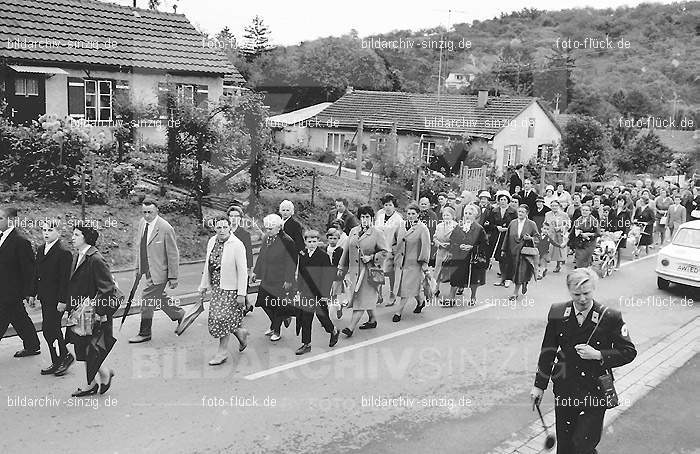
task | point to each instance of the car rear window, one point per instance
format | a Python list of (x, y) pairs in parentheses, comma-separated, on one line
[(688, 238)]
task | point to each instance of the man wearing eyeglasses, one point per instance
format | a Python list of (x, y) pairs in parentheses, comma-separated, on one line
[(158, 258)]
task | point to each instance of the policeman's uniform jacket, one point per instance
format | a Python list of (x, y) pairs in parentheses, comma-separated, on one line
[(571, 375)]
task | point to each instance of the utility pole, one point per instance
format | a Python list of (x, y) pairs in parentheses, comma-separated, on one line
[(360, 140)]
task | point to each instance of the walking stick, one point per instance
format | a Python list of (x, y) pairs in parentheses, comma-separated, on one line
[(493, 254), (550, 440)]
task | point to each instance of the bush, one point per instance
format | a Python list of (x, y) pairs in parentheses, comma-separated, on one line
[(324, 156), (125, 175), (187, 207), (43, 160), (296, 151)]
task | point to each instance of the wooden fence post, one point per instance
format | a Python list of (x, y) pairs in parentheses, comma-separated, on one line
[(313, 186), (371, 185)]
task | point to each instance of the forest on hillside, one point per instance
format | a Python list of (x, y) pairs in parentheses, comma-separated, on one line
[(654, 73)]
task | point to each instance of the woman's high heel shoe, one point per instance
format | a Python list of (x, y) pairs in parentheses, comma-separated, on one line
[(88, 392), (105, 386)]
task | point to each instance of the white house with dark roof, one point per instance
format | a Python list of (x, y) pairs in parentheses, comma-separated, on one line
[(74, 57), (509, 130)]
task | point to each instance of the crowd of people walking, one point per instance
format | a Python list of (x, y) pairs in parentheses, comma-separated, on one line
[(302, 272)]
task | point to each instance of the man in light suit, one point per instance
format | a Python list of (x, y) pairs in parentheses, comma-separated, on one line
[(17, 268), (158, 258)]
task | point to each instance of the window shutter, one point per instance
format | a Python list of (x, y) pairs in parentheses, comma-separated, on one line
[(76, 97), (201, 96), (163, 101), (518, 149), (506, 152)]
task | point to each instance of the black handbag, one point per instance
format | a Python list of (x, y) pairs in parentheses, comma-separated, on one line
[(606, 382), (479, 261)]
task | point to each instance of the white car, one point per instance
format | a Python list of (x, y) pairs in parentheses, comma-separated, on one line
[(679, 262)]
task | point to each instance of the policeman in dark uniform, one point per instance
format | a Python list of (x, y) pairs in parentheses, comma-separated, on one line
[(579, 405)]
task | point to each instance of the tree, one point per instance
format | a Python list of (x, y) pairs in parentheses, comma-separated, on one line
[(153, 4), (584, 141), (646, 154), (514, 68), (257, 36)]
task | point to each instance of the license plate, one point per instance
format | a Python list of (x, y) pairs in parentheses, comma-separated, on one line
[(690, 269)]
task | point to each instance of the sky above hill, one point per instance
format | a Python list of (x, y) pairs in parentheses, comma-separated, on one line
[(295, 21)]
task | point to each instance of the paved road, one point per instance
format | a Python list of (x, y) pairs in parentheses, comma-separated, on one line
[(467, 370)]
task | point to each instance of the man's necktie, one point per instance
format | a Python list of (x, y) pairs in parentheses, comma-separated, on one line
[(580, 318), (144, 252)]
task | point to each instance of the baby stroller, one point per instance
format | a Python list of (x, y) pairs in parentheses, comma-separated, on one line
[(605, 253)]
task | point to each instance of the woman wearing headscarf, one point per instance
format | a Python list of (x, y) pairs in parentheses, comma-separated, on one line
[(91, 284), (559, 225), (522, 232), (501, 217), (441, 239), (411, 260), (388, 221), (585, 232), (469, 250), (363, 256), (226, 274)]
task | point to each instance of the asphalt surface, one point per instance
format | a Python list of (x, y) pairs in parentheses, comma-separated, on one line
[(459, 379)]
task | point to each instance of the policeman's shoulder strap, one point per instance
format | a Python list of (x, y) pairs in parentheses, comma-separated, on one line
[(559, 311)]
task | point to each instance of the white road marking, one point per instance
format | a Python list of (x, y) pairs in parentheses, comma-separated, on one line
[(639, 259), (366, 343)]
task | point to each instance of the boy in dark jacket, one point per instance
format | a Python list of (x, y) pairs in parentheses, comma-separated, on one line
[(316, 275)]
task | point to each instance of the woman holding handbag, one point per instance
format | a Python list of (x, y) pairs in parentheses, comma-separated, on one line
[(411, 260), (586, 230), (226, 275), (93, 299), (361, 263), (521, 245), (469, 251), (441, 240)]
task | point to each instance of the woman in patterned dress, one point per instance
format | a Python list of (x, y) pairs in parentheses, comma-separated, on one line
[(559, 225), (226, 274)]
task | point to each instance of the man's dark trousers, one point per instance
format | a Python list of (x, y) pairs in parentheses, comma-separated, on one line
[(14, 313), (578, 433), (307, 318)]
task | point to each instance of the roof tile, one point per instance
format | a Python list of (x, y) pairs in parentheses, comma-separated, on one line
[(452, 114), (140, 38)]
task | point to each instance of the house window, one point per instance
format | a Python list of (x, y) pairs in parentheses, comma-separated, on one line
[(26, 86), (427, 151), (544, 152), (185, 93), (531, 127), (335, 142), (511, 155), (98, 100)]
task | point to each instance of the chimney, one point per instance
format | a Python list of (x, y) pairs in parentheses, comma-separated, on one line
[(175, 8), (482, 98), (349, 89)]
